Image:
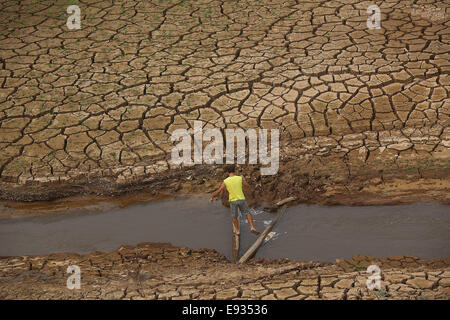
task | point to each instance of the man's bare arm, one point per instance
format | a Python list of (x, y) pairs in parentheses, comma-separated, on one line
[(217, 192)]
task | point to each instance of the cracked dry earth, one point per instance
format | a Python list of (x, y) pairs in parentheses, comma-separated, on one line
[(92, 110), (363, 118), (160, 271)]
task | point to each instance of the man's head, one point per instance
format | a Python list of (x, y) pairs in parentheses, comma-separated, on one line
[(231, 169)]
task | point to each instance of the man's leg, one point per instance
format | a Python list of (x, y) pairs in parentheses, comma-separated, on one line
[(234, 215), (236, 226), (250, 222), (245, 209)]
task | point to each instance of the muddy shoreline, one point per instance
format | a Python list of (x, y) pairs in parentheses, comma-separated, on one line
[(307, 184), (156, 271)]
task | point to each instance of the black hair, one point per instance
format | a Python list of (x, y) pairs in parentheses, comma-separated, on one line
[(230, 169)]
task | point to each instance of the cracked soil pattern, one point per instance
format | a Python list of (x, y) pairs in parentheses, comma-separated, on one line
[(96, 106), (363, 118), (160, 271)]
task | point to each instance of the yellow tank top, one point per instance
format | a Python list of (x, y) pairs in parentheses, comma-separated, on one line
[(234, 187)]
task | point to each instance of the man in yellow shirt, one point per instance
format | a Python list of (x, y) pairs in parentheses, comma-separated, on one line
[(236, 197)]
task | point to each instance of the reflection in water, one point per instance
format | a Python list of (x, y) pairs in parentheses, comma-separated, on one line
[(303, 233)]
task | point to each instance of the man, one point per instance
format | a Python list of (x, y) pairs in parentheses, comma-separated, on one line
[(236, 197)]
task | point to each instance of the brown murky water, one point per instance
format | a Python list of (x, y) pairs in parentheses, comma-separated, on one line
[(303, 233)]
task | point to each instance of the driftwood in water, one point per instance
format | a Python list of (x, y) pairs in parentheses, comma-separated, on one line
[(274, 206), (252, 250), (284, 201)]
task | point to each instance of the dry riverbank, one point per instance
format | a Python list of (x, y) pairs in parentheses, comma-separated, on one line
[(331, 182), (161, 271), (356, 108)]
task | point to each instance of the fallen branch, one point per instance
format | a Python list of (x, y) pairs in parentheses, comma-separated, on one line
[(274, 206), (284, 201), (252, 250)]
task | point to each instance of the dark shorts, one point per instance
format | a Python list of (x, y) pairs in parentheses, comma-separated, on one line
[(242, 205)]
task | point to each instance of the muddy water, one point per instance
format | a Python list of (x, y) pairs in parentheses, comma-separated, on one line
[(303, 233)]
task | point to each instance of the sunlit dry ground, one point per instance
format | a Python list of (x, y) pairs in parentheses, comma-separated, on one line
[(102, 101), (363, 116), (160, 271)]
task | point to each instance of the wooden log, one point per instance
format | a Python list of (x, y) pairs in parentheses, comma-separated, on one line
[(235, 246), (255, 246), (284, 201), (274, 206)]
